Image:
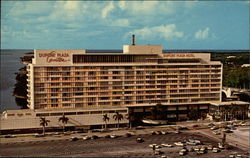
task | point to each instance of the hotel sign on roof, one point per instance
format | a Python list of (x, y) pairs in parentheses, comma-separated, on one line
[(179, 55), (55, 57)]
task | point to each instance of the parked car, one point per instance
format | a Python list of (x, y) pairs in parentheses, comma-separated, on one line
[(152, 145), (196, 149), (113, 136), (210, 147), (182, 128), (191, 149), (214, 128), (179, 144), (191, 143), (182, 152), (94, 137), (153, 133), (140, 127), (86, 137), (158, 132), (158, 152), (227, 131), (167, 145), (203, 150), (238, 156), (107, 136), (139, 140), (164, 132), (74, 139), (220, 146), (216, 132), (36, 135), (216, 150), (210, 125), (157, 146)]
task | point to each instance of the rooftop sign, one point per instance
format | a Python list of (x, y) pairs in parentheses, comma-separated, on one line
[(56, 56), (179, 55)]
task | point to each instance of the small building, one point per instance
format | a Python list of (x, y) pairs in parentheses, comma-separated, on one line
[(88, 118), (229, 110)]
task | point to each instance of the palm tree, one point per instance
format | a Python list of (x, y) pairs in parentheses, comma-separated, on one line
[(44, 122), (118, 117), (64, 121), (105, 119)]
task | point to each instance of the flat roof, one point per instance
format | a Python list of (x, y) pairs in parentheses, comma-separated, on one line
[(229, 103)]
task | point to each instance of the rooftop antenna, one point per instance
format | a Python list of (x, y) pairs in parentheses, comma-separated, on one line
[(133, 39)]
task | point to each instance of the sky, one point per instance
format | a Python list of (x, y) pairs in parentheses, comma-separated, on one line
[(110, 24)]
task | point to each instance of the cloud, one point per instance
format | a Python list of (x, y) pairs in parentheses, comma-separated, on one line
[(107, 9), (202, 34), (122, 4), (138, 8), (19, 8), (167, 32), (120, 22)]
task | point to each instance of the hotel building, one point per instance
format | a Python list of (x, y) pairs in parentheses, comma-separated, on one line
[(138, 78)]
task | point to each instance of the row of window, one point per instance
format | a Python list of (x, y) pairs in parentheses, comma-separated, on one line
[(129, 102), (80, 113)]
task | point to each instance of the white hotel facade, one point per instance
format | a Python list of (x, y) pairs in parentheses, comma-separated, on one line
[(133, 81)]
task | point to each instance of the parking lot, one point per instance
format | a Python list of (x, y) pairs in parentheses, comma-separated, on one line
[(117, 147)]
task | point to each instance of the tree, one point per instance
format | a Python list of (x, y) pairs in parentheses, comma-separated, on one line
[(20, 90), (44, 123), (118, 117), (105, 119), (64, 120)]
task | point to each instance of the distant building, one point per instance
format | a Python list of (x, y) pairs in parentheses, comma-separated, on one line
[(245, 65), (231, 57)]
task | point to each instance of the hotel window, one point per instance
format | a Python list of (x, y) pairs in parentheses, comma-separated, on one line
[(55, 78), (78, 94), (55, 89), (66, 68), (70, 113), (66, 95), (66, 78), (83, 113), (56, 114), (79, 84), (54, 94), (55, 84), (95, 112), (54, 105), (116, 72), (65, 105), (42, 114), (65, 99)]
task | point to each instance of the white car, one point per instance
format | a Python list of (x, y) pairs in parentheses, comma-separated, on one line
[(215, 150), (86, 137), (179, 144), (167, 145), (151, 145), (113, 136)]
